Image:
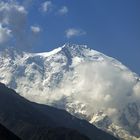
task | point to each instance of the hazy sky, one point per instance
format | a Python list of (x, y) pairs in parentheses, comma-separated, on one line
[(109, 26)]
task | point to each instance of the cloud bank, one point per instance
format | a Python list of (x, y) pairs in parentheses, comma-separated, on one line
[(100, 86)]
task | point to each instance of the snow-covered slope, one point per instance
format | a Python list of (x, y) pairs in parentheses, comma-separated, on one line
[(85, 82)]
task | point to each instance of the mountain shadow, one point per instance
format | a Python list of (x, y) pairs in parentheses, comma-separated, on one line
[(32, 121), (5, 134)]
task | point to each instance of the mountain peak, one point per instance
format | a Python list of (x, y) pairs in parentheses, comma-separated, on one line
[(75, 78), (74, 46), (67, 47), (47, 54)]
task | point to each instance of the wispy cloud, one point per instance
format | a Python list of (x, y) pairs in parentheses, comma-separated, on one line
[(5, 34), (74, 32), (35, 29), (46, 6), (63, 10)]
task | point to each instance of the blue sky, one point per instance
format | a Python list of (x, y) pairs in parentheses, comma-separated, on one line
[(109, 26)]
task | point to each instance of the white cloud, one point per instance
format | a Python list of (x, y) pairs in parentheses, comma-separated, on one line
[(74, 32), (12, 13), (46, 6), (5, 34), (99, 86), (14, 17), (63, 11), (137, 90), (35, 29)]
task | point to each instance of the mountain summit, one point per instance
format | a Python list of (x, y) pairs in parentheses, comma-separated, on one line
[(85, 82)]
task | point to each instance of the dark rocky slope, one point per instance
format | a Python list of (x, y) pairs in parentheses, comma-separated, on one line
[(31, 121), (5, 134)]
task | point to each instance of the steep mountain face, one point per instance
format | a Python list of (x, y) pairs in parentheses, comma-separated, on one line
[(5, 134), (86, 83), (31, 121)]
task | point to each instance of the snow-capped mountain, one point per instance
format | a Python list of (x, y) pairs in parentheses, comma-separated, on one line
[(85, 82)]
